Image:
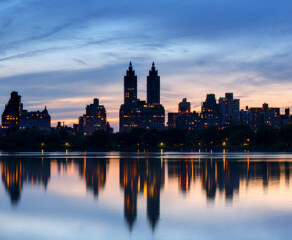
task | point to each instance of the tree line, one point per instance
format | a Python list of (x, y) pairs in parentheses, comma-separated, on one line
[(237, 137)]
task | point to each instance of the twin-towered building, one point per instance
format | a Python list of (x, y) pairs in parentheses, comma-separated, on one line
[(133, 113), (136, 113)]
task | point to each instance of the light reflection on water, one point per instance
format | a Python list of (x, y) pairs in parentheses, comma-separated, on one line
[(145, 196)]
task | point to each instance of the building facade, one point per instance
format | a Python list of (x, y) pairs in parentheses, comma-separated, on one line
[(94, 119), (229, 108), (36, 119), (287, 118), (184, 106), (14, 117), (11, 113), (184, 118), (242, 117), (211, 114), (265, 116)]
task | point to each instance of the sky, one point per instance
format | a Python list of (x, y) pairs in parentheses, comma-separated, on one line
[(62, 54)]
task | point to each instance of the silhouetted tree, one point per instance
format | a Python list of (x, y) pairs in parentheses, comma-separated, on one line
[(266, 136)]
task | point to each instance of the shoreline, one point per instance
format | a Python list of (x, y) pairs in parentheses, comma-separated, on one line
[(153, 150)]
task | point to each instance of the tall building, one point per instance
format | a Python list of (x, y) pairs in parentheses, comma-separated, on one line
[(136, 113), (15, 117), (229, 107), (94, 119), (211, 115), (153, 86), (265, 115), (10, 116), (130, 86)]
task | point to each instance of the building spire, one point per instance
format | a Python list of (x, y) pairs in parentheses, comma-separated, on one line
[(130, 67), (45, 111), (153, 67)]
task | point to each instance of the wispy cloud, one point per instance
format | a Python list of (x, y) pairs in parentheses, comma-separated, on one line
[(64, 53)]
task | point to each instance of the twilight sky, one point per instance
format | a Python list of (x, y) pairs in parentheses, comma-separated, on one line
[(64, 53)]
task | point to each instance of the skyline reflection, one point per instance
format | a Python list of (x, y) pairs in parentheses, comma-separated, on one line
[(147, 177)]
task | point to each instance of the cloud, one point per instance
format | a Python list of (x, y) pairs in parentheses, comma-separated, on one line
[(56, 50)]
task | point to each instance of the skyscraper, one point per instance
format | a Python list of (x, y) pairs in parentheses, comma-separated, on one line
[(153, 86), (130, 86), (10, 116)]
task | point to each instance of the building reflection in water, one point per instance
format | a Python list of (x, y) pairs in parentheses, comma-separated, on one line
[(225, 175), (182, 170), (288, 170), (93, 171), (15, 173), (145, 176), (155, 181)]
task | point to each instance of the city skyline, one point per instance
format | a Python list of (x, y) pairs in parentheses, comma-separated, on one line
[(115, 122), (134, 112), (58, 108), (63, 57)]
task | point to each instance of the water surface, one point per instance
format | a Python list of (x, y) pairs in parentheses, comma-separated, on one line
[(145, 196)]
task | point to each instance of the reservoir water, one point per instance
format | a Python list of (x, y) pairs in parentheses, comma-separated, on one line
[(183, 195)]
